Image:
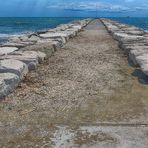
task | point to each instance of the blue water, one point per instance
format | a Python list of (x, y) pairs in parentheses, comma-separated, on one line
[(139, 22), (14, 26)]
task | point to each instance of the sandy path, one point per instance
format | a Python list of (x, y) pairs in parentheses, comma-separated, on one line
[(86, 83)]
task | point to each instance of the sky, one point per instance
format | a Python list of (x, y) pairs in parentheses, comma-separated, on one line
[(73, 8)]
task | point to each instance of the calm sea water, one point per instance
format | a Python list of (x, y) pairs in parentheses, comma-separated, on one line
[(15, 26), (139, 22)]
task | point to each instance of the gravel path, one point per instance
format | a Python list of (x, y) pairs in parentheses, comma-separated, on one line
[(86, 83)]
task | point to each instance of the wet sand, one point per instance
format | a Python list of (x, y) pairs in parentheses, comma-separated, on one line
[(85, 95)]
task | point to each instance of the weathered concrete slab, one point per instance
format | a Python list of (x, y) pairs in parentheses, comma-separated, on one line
[(11, 44), (13, 66), (73, 29), (51, 43), (123, 37), (32, 38), (48, 47), (133, 40), (8, 81), (30, 59), (142, 60), (144, 68), (136, 52), (63, 36), (6, 50), (73, 32), (129, 46), (78, 27), (69, 33), (41, 56), (23, 40), (15, 39), (63, 26), (134, 32)]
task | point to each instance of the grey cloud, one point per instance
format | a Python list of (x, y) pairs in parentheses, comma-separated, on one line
[(92, 6)]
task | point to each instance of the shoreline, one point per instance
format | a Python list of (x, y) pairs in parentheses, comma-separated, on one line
[(20, 31), (30, 48), (4, 38), (21, 54)]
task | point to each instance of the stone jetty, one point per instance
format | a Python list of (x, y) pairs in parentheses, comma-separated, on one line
[(133, 40), (84, 96), (23, 53)]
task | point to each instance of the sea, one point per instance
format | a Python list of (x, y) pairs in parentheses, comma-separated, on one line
[(141, 22), (13, 26)]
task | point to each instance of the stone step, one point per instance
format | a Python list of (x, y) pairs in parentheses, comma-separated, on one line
[(135, 53), (7, 50), (51, 35), (30, 59), (13, 66), (8, 82)]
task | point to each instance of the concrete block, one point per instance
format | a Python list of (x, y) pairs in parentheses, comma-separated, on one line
[(8, 82), (7, 50), (13, 66)]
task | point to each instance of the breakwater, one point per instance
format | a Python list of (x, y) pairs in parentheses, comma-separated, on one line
[(84, 90), (23, 53), (133, 41)]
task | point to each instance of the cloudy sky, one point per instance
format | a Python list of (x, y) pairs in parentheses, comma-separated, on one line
[(45, 8)]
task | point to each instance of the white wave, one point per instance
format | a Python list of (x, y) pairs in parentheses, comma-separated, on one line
[(2, 35)]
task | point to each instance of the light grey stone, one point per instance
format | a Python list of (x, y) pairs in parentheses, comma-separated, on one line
[(15, 39), (45, 47), (28, 59), (33, 38), (73, 32), (77, 27), (51, 43), (8, 82), (23, 40), (142, 60), (41, 56), (144, 68), (133, 46), (123, 37), (134, 32), (136, 52), (62, 36), (6, 50), (9, 44), (13, 66), (31, 58)]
